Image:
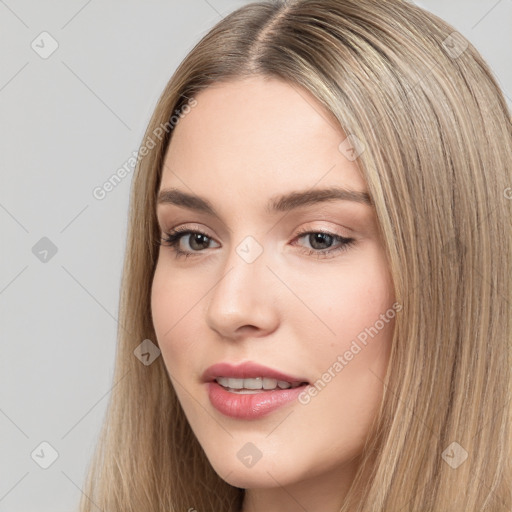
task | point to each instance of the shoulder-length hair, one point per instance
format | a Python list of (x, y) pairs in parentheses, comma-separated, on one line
[(436, 140)]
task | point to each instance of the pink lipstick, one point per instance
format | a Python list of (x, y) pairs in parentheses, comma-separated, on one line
[(250, 390)]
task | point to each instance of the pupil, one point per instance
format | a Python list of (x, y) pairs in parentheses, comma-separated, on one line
[(320, 237), (202, 245)]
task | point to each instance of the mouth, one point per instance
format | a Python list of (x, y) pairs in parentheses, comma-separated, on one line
[(256, 384), (251, 377), (249, 391)]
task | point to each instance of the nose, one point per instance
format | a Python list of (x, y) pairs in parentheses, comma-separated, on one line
[(244, 301)]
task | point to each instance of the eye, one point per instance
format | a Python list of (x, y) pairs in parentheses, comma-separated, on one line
[(198, 241), (319, 239), (197, 238)]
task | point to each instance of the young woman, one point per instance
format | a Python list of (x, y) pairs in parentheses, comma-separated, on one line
[(317, 297)]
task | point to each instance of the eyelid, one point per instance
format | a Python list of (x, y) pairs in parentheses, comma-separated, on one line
[(167, 220), (184, 226)]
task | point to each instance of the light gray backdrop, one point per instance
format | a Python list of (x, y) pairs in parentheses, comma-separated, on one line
[(78, 82)]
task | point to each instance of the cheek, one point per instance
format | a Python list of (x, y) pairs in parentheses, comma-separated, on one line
[(353, 298), (364, 328), (175, 306), (352, 360)]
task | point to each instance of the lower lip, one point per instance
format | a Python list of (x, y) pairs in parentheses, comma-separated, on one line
[(250, 406)]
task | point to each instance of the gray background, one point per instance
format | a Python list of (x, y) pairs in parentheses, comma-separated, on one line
[(68, 122)]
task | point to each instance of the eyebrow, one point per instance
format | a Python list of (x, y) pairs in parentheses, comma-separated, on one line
[(282, 203)]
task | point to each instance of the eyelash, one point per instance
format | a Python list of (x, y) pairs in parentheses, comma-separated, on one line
[(173, 238)]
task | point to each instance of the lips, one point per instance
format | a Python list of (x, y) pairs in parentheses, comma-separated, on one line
[(227, 391)]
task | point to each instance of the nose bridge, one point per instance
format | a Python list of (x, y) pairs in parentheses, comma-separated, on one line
[(241, 295)]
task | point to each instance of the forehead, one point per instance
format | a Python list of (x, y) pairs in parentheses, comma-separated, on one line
[(257, 136)]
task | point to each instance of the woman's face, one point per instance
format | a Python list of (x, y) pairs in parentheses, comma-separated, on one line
[(279, 277)]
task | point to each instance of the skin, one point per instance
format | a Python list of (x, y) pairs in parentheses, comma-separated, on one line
[(244, 142)]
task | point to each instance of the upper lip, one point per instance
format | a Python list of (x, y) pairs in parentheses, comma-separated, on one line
[(247, 370)]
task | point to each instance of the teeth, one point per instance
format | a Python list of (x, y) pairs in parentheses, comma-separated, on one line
[(255, 383), (235, 383), (269, 383)]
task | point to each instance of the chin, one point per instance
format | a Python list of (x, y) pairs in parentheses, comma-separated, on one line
[(266, 472), (251, 478)]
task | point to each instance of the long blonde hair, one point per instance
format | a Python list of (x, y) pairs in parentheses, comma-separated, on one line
[(437, 158)]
